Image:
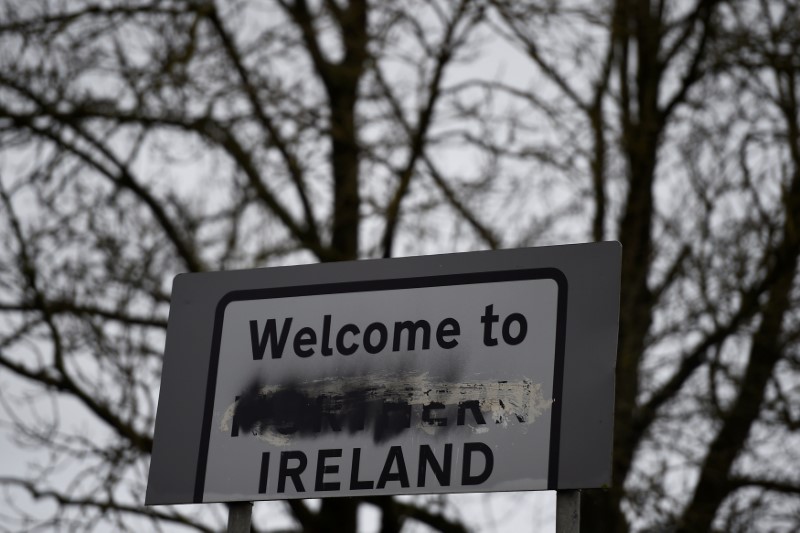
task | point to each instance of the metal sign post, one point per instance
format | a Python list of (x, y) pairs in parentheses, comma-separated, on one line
[(239, 517), (568, 511)]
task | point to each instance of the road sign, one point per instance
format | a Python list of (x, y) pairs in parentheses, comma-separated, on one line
[(484, 371)]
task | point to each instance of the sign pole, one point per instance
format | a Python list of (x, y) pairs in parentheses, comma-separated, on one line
[(568, 511), (239, 516)]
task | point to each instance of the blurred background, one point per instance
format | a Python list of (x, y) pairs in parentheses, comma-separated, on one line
[(144, 138)]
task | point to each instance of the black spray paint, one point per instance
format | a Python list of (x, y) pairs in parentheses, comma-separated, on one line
[(291, 410)]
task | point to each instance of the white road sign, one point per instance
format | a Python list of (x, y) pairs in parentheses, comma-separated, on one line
[(423, 375)]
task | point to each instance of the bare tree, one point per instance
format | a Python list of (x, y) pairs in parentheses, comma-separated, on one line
[(148, 138), (142, 139), (693, 104)]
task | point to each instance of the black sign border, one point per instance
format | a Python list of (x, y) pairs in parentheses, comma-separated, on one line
[(470, 278)]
